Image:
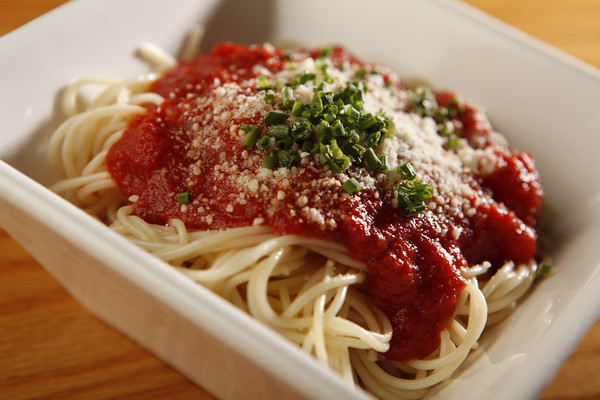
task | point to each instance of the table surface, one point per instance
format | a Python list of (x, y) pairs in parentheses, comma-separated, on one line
[(51, 347)]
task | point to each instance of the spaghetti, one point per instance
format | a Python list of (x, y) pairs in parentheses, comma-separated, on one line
[(309, 254)]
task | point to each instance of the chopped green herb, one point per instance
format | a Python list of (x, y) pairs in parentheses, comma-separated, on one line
[(252, 132), (279, 132), (406, 171), (269, 98), (297, 108), (324, 52), (336, 129), (275, 117), (263, 83), (423, 101), (288, 158), (446, 128), (412, 195), (302, 78), (361, 73), (351, 186), (301, 129), (264, 143), (287, 97), (269, 161), (183, 197), (372, 160), (543, 269), (452, 143)]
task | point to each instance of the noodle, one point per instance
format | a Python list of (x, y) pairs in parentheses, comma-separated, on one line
[(303, 288)]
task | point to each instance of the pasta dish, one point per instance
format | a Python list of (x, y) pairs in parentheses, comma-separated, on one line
[(378, 226)]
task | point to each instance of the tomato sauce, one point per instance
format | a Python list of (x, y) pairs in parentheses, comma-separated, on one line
[(414, 265)]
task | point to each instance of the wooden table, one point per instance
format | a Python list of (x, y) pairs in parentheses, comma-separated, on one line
[(50, 347)]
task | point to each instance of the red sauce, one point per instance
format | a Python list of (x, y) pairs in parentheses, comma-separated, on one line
[(414, 266)]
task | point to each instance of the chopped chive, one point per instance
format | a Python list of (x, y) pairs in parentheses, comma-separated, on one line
[(183, 197), (372, 160), (269, 98), (275, 117), (264, 143), (446, 128), (287, 97), (297, 108), (337, 129), (279, 132), (324, 52), (302, 78), (406, 171), (251, 135), (383, 163), (288, 158), (415, 210), (269, 161), (373, 139), (351, 186), (263, 83), (452, 143), (306, 146), (543, 269), (301, 129), (361, 73), (353, 149)]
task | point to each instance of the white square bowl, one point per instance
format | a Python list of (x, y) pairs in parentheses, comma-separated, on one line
[(542, 100)]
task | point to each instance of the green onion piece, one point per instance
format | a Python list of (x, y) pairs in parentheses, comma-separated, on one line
[(306, 146), (302, 78), (373, 139), (353, 137), (361, 73), (269, 161), (372, 160), (263, 83), (317, 102), (275, 117), (352, 115), (297, 108), (324, 130), (337, 129), (279, 132), (264, 143), (452, 143), (423, 100), (383, 163), (324, 52), (269, 98), (412, 195), (183, 197), (455, 107), (287, 97), (446, 128), (288, 158), (406, 171), (415, 210), (440, 114), (251, 135), (351, 186), (284, 143), (301, 129), (354, 149), (367, 123), (543, 270)]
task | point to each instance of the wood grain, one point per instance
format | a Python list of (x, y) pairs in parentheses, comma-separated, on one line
[(52, 348)]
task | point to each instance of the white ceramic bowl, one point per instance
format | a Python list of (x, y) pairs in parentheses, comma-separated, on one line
[(542, 100)]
